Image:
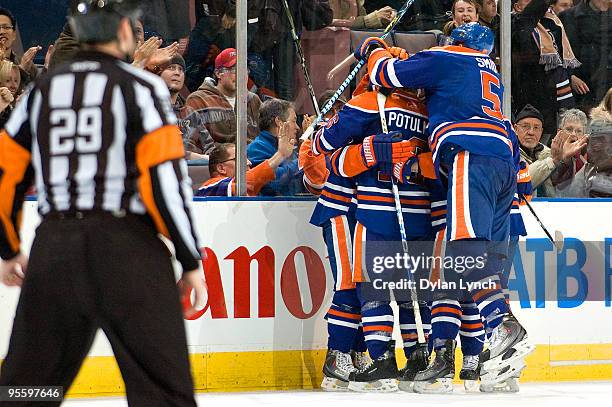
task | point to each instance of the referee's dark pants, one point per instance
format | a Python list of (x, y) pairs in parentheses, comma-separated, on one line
[(94, 270)]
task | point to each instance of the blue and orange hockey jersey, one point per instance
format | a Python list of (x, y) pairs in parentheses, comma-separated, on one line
[(337, 195), (463, 93), (359, 118), (256, 178)]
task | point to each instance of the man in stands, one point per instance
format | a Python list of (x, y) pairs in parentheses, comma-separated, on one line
[(543, 161), (173, 75), (8, 35), (214, 106), (273, 116), (222, 167)]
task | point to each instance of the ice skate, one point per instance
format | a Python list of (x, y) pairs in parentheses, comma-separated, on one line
[(438, 377), (380, 376), (418, 361), (504, 380), (508, 344), (470, 373), (336, 370)]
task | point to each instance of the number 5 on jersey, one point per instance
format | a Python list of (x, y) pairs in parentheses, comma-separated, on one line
[(487, 81)]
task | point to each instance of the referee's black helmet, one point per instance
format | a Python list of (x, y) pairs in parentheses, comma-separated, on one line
[(97, 21)]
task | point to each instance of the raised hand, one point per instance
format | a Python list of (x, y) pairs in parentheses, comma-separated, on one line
[(162, 56), (48, 55), (144, 52), (6, 98), (28, 58), (286, 141)]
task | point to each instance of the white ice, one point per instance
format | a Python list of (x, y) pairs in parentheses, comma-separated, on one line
[(576, 394)]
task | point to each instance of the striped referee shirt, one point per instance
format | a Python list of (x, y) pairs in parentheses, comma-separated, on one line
[(97, 134)]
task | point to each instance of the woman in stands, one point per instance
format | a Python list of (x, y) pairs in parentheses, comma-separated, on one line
[(463, 11), (10, 81)]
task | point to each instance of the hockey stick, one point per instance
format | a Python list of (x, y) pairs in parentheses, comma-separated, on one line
[(300, 51), (422, 348), (558, 239), (330, 103)]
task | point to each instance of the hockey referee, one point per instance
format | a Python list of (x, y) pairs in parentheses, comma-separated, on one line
[(98, 139)]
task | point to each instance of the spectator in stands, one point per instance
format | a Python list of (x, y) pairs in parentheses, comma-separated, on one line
[(594, 180), (462, 11), (543, 161), (222, 167), (273, 115), (561, 5), (10, 78), (275, 44), (173, 75), (488, 14), (213, 32), (212, 107), (8, 35), (542, 61), (589, 29), (572, 127)]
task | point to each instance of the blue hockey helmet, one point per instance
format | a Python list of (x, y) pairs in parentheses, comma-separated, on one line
[(474, 36)]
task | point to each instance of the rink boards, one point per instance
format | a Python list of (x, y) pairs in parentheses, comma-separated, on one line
[(270, 284)]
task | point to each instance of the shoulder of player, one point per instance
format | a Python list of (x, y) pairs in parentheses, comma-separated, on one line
[(365, 102)]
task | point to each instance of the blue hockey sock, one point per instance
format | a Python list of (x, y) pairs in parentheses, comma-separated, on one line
[(408, 325)]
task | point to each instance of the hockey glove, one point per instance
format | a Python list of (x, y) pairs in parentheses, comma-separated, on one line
[(367, 46), (386, 148), (398, 52), (524, 189)]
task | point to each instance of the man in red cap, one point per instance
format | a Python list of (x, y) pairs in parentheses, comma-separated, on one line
[(212, 107)]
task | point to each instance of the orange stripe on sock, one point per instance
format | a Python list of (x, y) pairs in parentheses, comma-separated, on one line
[(370, 328), (344, 314), (446, 309)]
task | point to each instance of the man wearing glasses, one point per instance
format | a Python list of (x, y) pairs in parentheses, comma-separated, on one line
[(222, 167), (8, 34), (543, 161)]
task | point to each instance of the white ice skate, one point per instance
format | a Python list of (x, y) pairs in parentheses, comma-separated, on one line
[(504, 380), (336, 370), (508, 344)]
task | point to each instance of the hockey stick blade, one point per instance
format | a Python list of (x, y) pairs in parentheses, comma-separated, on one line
[(559, 240)]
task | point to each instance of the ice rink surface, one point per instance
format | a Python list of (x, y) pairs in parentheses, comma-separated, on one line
[(578, 394)]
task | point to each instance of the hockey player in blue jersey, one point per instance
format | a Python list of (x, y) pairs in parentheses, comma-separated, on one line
[(471, 144), (334, 213), (506, 381), (355, 154)]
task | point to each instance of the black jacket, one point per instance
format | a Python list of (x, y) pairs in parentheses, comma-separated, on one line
[(273, 22), (531, 84), (590, 33)]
